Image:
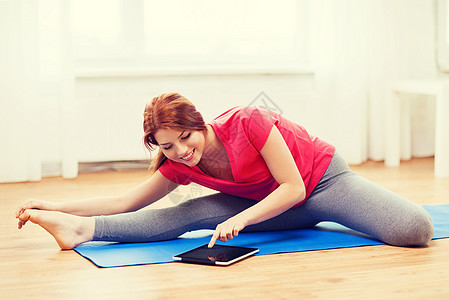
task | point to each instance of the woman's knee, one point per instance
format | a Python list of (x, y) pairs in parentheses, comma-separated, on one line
[(424, 230), (418, 231)]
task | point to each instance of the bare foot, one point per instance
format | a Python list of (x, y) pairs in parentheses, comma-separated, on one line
[(68, 230)]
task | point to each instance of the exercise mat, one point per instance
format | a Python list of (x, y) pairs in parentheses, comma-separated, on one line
[(326, 235)]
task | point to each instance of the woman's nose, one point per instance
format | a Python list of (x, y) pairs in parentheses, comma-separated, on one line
[(181, 150)]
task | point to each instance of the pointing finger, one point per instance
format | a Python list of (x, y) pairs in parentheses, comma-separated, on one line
[(213, 240)]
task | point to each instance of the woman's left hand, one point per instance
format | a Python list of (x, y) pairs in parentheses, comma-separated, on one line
[(227, 230)]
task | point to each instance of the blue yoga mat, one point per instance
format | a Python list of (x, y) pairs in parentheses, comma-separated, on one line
[(326, 235)]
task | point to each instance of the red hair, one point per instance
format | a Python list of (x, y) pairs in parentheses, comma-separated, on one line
[(168, 111)]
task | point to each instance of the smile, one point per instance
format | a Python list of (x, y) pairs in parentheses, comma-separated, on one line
[(188, 156)]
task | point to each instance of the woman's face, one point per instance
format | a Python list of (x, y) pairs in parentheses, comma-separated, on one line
[(185, 147)]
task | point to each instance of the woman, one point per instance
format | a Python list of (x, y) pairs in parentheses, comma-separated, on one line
[(271, 175)]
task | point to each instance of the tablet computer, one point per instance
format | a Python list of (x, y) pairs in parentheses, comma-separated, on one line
[(221, 255)]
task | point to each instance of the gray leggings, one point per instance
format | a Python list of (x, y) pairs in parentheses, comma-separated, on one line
[(341, 196)]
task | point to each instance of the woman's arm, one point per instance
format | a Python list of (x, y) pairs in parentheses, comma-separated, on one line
[(156, 187), (291, 190)]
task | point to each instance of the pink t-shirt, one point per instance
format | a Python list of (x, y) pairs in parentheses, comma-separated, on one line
[(243, 132)]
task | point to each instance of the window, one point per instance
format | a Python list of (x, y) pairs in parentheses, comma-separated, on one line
[(97, 29), (176, 36)]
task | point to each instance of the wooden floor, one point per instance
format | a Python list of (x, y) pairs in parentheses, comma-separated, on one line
[(32, 266)]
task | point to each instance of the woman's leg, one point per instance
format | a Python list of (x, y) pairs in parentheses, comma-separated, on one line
[(344, 197), (341, 196), (168, 223), (200, 213), (155, 225)]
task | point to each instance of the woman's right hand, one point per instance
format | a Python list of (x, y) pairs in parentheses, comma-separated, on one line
[(34, 204)]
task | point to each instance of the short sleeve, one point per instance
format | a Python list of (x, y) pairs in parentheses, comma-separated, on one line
[(258, 123), (175, 172)]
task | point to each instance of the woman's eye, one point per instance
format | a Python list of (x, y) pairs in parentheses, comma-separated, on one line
[(186, 137), (168, 148)]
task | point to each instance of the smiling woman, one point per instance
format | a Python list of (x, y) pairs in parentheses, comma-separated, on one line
[(271, 174), (181, 146), (173, 114)]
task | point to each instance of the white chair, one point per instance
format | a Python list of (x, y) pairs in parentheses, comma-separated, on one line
[(398, 122)]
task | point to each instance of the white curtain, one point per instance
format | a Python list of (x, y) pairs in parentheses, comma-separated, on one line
[(35, 64), (360, 47)]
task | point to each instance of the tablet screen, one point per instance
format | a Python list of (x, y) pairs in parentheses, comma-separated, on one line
[(217, 255)]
